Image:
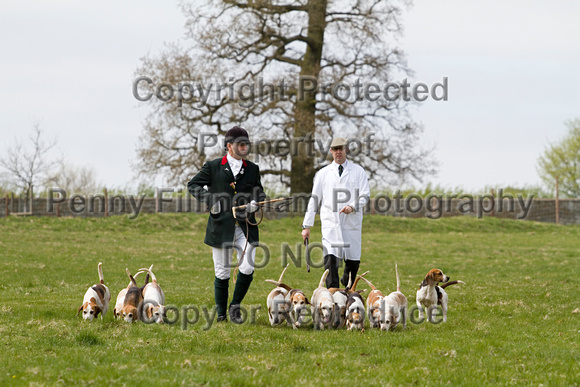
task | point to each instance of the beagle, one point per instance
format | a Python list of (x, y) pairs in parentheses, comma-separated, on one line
[(340, 297), (322, 304), (430, 294), (355, 312), (96, 299), (298, 301), (295, 300), (121, 297), (355, 307), (278, 306), (388, 311), (132, 302), (153, 298)]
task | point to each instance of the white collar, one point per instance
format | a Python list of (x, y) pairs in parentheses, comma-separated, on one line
[(344, 165), (233, 161)]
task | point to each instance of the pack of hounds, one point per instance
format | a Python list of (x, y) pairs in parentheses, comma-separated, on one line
[(337, 308), (134, 303), (332, 307)]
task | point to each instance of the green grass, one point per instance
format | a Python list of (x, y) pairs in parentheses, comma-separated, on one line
[(512, 323)]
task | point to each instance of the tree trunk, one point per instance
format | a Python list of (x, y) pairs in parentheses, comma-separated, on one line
[(302, 173)]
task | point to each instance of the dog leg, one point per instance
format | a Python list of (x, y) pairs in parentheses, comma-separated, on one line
[(421, 313), (431, 313)]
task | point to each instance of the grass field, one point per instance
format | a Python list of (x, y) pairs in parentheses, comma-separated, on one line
[(516, 320)]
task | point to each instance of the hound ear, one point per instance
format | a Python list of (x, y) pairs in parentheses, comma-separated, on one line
[(81, 307), (306, 299), (428, 279)]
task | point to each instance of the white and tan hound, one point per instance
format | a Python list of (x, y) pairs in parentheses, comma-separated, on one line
[(298, 301), (322, 307), (341, 297), (295, 301), (153, 298), (430, 294), (387, 312), (278, 306), (355, 307), (132, 302), (121, 297), (96, 299)]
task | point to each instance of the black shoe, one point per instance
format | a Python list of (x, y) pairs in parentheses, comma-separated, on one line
[(236, 314), (223, 319)]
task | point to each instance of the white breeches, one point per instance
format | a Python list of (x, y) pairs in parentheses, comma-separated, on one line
[(222, 257)]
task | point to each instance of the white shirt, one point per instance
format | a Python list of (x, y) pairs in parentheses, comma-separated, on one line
[(235, 165), (341, 233)]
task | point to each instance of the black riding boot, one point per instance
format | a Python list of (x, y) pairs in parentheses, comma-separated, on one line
[(242, 285), (221, 298)]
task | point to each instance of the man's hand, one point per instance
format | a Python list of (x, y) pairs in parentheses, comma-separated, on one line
[(347, 209), (305, 233)]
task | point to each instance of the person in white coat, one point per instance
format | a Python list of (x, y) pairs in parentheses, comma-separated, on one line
[(340, 190)]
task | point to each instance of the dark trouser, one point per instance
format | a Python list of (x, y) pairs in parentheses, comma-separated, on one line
[(350, 267), (331, 263)]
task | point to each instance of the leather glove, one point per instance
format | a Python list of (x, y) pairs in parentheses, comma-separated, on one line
[(252, 207)]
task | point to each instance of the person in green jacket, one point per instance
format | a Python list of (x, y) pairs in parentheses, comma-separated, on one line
[(222, 184)]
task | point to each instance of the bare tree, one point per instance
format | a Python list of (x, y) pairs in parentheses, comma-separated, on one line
[(73, 179), (279, 68), (28, 167)]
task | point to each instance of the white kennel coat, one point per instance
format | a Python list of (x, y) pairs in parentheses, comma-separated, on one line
[(341, 233)]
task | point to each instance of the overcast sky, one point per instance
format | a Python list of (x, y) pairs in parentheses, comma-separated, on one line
[(513, 70)]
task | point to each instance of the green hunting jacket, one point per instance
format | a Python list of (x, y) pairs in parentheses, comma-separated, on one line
[(215, 182)]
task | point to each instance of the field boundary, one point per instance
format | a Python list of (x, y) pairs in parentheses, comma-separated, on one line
[(531, 209)]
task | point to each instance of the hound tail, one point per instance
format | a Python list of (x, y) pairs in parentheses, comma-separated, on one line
[(443, 286), (368, 282), (283, 271), (323, 279), (356, 280), (348, 286), (279, 284), (149, 272), (131, 277), (398, 281), (101, 277)]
